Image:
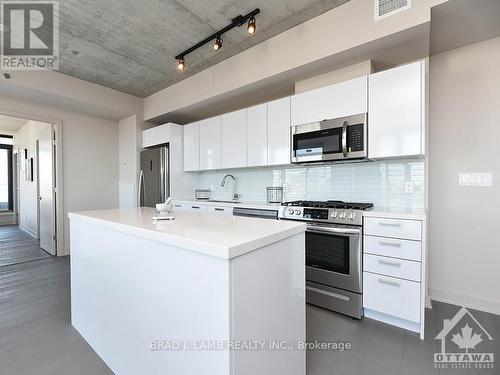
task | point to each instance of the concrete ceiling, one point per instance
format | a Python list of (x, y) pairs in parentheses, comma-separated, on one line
[(129, 45), (10, 125)]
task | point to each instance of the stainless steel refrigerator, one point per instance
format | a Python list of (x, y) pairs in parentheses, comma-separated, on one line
[(154, 177)]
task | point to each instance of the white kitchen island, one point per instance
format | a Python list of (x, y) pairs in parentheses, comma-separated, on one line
[(204, 294)]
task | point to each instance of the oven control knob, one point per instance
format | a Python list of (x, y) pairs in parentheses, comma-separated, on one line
[(343, 215), (291, 211), (298, 212), (334, 214), (352, 216)]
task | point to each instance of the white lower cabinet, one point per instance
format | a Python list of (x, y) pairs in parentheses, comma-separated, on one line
[(394, 279), (190, 207), (393, 296)]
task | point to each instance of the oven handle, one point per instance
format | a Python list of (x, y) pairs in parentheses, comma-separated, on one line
[(322, 229), (344, 139)]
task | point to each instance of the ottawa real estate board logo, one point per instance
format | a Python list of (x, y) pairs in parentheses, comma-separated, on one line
[(29, 35), (459, 338)]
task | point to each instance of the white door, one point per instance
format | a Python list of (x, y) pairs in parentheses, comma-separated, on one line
[(46, 180), (278, 127), (192, 147), (210, 143), (234, 139), (257, 135), (396, 120), (341, 99)]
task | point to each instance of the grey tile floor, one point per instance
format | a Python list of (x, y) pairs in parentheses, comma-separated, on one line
[(36, 337)]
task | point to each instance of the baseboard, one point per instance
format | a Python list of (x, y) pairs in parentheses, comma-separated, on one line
[(471, 302), (28, 231), (389, 319)]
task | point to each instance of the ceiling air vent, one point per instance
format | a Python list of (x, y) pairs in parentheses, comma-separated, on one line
[(385, 8)]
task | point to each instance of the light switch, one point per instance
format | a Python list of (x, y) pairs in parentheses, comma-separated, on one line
[(475, 179)]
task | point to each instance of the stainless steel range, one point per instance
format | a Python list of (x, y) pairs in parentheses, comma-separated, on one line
[(333, 252)]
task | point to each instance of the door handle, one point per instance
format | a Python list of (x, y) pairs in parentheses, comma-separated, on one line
[(389, 282), (389, 224), (344, 139), (40, 198), (389, 263), (328, 293)]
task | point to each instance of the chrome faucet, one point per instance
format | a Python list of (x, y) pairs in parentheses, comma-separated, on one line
[(235, 190)]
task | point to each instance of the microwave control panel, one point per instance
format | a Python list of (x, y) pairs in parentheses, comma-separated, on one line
[(355, 137)]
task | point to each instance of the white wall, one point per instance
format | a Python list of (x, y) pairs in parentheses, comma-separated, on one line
[(464, 245), (25, 138), (130, 144), (90, 157)]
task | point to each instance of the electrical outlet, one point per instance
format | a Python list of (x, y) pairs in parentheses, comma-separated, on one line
[(475, 179), (409, 187)]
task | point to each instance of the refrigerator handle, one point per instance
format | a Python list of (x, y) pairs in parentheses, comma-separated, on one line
[(141, 192), (162, 175)]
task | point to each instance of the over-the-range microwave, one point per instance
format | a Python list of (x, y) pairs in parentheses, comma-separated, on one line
[(339, 139)]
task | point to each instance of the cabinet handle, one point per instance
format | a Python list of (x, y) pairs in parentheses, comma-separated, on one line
[(388, 243), (389, 282), (218, 209), (389, 263), (177, 205), (389, 224), (196, 207)]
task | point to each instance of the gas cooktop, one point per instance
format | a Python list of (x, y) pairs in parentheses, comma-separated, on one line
[(330, 204)]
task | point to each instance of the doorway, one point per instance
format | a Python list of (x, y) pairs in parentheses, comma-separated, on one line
[(28, 228)]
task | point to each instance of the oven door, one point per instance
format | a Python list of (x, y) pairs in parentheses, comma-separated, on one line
[(333, 256)]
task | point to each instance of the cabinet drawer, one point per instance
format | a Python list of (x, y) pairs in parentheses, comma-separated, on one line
[(407, 229), (220, 210), (198, 208), (404, 269), (388, 295), (393, 247)]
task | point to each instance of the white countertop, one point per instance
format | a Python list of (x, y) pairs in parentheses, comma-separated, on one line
[(396, 213), (255, 205), (220, 236)]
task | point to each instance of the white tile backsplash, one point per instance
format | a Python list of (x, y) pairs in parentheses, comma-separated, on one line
[(381, 183)]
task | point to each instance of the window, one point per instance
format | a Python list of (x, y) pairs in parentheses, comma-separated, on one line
[(6, 187)]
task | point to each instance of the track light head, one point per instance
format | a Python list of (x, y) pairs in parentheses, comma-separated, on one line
[(251, 27), (218, 43), (181, 63)]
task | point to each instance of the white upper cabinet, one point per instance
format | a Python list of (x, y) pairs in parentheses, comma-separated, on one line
[(338, 100), (278, 132), (396, 112), (257, 135), (192, 147), (210, 143), (234, 139)]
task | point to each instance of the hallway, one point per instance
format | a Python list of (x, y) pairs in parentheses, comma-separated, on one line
[(17, 246)]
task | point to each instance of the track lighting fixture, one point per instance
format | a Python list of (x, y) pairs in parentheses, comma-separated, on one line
[(251, 27), (237, 21), (181, 63), (218, 43)]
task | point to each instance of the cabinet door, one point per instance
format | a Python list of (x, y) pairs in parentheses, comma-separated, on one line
[(192, 147), (257, 136), (278, 132), (234, 139), (210, 143), (395, 112), (338, 100)]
